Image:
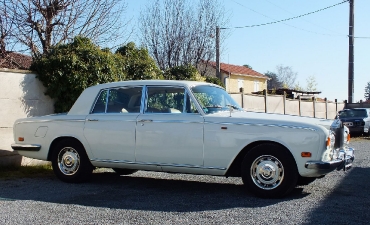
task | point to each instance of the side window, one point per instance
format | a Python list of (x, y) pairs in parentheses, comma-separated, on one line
[(165, 100), (120, 100), (100, 102)]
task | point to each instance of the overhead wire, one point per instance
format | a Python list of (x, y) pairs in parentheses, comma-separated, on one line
[(283, 20), (277, 6)]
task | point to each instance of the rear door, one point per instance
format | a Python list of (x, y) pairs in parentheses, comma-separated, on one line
[(110, 127)]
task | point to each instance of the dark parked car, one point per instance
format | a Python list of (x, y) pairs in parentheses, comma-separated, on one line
[(357, 120)]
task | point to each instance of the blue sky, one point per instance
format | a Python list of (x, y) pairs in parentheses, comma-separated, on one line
[(316, 44)]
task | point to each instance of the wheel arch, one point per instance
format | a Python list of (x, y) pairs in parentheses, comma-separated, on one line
[(234, 169), (58, 140)]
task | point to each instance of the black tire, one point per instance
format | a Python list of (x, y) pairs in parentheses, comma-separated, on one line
[(305, 180), (276, 177), (70, 162), (120, 171)]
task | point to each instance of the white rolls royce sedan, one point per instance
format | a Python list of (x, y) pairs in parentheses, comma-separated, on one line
[(183, 127)]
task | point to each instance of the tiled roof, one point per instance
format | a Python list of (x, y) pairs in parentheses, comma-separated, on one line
[(238, 70), (13, 60)]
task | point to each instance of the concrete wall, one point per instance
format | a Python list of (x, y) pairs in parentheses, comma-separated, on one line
[(21, 95), (275, 104)]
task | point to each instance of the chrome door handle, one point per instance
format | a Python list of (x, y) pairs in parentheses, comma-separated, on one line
[(92, 120), (143, 121)]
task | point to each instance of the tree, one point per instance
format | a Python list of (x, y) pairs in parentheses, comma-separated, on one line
[(178, 33), (248, 66), (7, 40), (287, 76), (68, 69), (311, 83), (138, 65), (39, 25), (185, 72), (274, 82), (367, 92)]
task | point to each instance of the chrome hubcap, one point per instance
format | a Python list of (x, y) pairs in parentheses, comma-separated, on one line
[(267, 172), (68, 161)]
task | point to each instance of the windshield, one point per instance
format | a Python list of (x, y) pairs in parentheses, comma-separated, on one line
[(213, 99), (348, 113)]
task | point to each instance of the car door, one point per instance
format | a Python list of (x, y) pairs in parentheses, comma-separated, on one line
[(170, 131), (110, 127)]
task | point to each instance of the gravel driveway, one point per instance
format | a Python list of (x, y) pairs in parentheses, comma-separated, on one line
[(161, 198)]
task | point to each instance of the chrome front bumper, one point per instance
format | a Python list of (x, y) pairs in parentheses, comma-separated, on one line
[(344, 161)]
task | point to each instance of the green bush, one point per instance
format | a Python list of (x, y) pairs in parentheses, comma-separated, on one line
[(214, 80), (70, 68), (138, 65), (185, 72)]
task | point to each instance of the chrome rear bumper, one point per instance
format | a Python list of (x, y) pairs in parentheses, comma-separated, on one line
[(20, 147)]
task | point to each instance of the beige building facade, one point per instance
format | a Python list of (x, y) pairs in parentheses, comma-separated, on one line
[(235, 77)]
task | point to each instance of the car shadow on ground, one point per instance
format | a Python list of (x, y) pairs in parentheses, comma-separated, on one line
[(109, 190), (348, 199)]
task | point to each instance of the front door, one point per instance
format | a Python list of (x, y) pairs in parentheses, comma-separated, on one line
[(170, 132)]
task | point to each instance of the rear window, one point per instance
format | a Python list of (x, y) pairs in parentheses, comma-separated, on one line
[(353, 113)]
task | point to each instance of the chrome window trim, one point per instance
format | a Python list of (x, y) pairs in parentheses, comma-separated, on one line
[(157, 164)]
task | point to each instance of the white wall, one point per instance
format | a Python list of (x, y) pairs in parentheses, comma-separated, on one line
[(21, 95), (275, 104)]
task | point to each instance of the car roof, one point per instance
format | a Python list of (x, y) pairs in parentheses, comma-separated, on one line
[(151, 82)]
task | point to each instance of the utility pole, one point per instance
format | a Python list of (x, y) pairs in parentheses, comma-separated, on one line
[(218, 71), (350, 52)]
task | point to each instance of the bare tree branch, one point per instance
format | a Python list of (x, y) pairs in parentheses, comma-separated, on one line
[(178, 33), (41, 24)]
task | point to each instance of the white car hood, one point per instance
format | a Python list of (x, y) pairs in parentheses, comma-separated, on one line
[(273, 118)]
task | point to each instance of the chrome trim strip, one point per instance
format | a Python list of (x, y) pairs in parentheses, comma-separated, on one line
[(52, 120), (263, 125), (173, 121), (156, 164), (31, 147)]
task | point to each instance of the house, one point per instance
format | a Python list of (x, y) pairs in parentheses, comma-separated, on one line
[(13, 60), (235, 77)]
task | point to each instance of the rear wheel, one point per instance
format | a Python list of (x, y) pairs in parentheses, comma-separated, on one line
[(269, 171), (124, 171), (70, 162)]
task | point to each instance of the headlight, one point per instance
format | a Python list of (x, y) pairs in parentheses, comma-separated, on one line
[(330, 142)]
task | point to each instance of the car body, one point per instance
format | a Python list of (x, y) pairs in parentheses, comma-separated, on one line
[(357, 120), (183, 127)]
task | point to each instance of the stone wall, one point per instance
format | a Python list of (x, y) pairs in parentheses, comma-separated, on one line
[(21, 95)]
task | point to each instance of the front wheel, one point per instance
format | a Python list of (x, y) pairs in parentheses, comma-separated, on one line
[(70, 162), (269, 171)]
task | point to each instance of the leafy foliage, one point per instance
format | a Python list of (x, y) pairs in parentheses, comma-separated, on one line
[(214, 80), (70, 68), (138, 64), (185, 72), (367, 91)]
